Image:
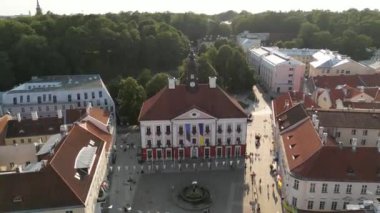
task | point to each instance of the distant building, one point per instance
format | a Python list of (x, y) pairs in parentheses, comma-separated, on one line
[(247, 40), (331, 63), (327, 160), (192, 120), (355, 92), (51, 96), (277, 72), (38, 9), (303, 55), (65, 174)]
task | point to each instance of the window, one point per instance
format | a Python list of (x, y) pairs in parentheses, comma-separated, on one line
[(93, 95), (290, 88), (363, 141), (347, 71), (69, 98), (322, 205), (28, 98), (148, 132), (180, 130), (207, 142), (324, 188), (69, 211), (22, 140), (158, 130), (158, 143), (49, 97), (365, 132), (168, 130), (229, 130), (348, 189), (207, 129), (378, 190), (14, 100), (194, 129), (100, 94), (194, 141), (295, 185), (334, 205), (345, 205), (78, 96), (149, 154), (105, 102), (290, 81), (44, 97), (353, 132), (336, 188), (238, 128), (54, 99), (220, 129), (85, 96), (294, 202), (39, 99), (312, 187), (310, 204), (291, 68), (337, 134), (21, 99), (364, 190), (290, 75)]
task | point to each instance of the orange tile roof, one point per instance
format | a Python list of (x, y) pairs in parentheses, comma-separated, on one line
[(99, 114)]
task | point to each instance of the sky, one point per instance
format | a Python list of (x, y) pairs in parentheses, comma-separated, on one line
[(17, 7)]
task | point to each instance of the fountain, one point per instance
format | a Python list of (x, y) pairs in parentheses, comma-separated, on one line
[(193, 197)]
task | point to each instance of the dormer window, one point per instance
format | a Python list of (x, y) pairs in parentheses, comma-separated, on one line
[(295, 156), (17, 199), (350, 171)]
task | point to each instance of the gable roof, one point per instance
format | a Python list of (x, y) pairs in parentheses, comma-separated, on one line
[(169, 103), (349, 119), (331, 82), (29, 127), (55, 185)]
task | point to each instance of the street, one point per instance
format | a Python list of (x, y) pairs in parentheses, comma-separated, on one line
[(234, 187)]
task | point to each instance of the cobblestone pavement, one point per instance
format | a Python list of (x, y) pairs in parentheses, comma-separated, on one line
[(147, 187)]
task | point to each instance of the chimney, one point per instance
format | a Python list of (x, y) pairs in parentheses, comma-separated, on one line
[(340, 143), (88, 108), (320, 131), (354, 143), (172, 82), (19, 117), (212, 81), (34, 115), (286, 103), (324, 138), (316, 124), (59, 113)]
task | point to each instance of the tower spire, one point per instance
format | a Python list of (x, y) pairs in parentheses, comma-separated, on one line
[(38, 9), (192, 71)]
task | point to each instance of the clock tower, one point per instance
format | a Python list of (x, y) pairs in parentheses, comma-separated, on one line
[(192, 72)]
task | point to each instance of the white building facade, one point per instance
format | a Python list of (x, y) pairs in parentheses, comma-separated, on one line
[(47, 95)]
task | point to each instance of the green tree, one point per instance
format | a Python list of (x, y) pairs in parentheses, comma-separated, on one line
[(7, 76), (144, 76), (205, 69), (306, 33), (158, 81), (130, 98)]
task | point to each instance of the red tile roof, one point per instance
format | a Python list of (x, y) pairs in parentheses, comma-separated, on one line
[(293, 99), (29, 127), (308, 158), (73, 115), (330, 82), (169, 103), (55, 185)]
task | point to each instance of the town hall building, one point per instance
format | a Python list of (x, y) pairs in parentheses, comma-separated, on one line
[(192, 120)]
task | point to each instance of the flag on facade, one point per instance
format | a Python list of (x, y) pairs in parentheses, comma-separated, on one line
[(201, 137), (188, 133)]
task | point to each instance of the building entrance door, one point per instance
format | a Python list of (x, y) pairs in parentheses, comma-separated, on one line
[(194, 152)]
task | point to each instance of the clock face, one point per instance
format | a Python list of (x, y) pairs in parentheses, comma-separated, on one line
[(192, 84)]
